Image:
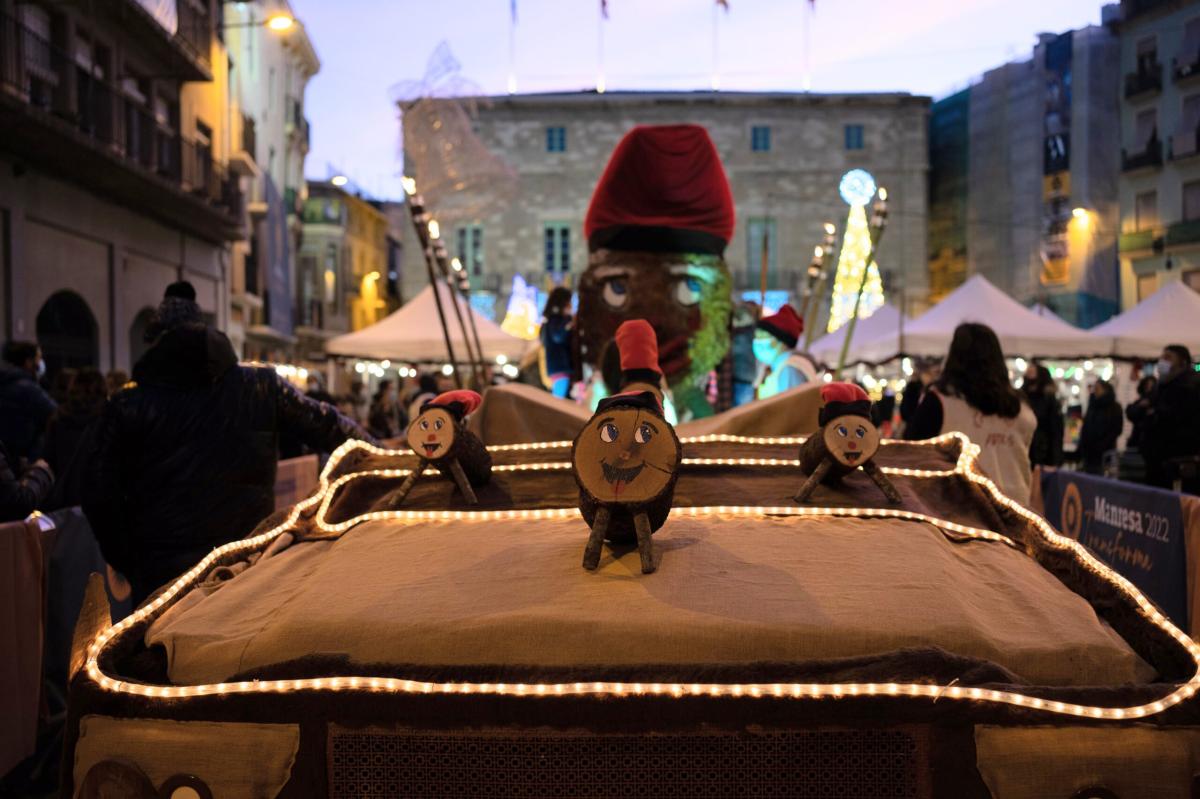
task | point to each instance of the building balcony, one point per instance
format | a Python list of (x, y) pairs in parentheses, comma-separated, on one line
[(184, 53), (1186, 70), (1145, 81), (62, 119), (1148, 158), (1180, 233), (1138, 241)]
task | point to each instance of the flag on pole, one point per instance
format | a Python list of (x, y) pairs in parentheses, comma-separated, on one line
[(512, 8), (604, 9), (725, 4)]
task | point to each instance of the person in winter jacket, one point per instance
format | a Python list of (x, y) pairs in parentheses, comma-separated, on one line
[(1137, 411), (25, 407), (68, 436), (20, 496), (1102, 425), (555, 334), (1039, 390), (1173, 423), (185, 456)]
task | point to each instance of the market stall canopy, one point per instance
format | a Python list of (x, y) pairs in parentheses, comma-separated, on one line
[(1170, 315), (1021, 330), (1042, 310), (881, 325), (413, 333)]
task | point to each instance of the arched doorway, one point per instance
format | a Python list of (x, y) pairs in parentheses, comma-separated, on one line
[(67, 333), (137, 334)]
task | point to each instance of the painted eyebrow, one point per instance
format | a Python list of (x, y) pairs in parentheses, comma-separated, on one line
[(651, 426), (605, 420)]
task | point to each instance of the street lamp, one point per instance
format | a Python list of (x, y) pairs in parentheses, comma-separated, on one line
[(279, 22), (339, 180)]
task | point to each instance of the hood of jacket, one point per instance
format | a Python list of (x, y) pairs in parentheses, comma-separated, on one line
[(10, 374), (188, 356)]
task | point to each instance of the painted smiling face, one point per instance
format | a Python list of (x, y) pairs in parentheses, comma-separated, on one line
[(431, 435), (626, 456), (852, 440)]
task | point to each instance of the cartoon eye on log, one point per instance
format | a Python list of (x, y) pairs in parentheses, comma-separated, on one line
[(626, 458), (440, 438), (846, 440)]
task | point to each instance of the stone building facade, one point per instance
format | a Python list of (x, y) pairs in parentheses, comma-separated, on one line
[(784, 154), (1160, 145), (113, 172), (1023, 173)]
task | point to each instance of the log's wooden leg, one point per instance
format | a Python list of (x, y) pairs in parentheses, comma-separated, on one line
[(464, 485), (880, 479), (398, 497), (641, 523), (813, 480), (591, 555)]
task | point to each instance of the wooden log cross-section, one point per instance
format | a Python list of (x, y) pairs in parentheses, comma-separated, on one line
[(843, 444)]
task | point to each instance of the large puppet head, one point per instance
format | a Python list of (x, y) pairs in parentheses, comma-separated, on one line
[(657, 227), (433, 433), (850, 435)]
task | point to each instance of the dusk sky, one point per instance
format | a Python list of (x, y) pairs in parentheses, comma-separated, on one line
[(366, 47)]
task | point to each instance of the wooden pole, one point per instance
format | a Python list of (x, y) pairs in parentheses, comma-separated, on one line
[(416, 209)]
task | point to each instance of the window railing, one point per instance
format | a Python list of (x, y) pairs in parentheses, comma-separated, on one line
[(1186, 67), (1150, 156), (1147, 78), (51, 84)]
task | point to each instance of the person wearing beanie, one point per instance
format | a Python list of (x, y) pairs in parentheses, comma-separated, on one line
[(657, 227), (781, 367), (177, 308)]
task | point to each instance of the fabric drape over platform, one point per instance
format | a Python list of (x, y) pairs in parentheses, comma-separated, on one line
[(414, 334), (1170, 315), (1021, 330)]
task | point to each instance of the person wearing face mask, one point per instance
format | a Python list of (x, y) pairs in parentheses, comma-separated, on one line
[(1172, 425), (781, 367), (1040, 393), (25, 407)]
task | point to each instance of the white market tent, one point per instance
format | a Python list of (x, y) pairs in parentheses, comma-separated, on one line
[(880, 325), (413, 333), (1041, 310), (1020, 330), (1170, 315)]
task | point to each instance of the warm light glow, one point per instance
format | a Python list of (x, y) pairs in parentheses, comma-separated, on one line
[(883, 193), (447, 370), (856, 248), (339, 180), (372, 275), (281, 22), (966, 466), (1080, 213), (830, 228), (435, 230), (501, 360), (456, 265), (410, 185), (818, 251)]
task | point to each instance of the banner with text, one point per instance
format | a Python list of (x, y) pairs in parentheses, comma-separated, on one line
[(1136, 530)]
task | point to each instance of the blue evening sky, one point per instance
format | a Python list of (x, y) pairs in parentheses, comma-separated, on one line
[(366, 47)]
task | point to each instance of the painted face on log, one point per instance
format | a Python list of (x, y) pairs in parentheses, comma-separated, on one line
[(626, 455), (851, 439), (686, 298), (431, 434)]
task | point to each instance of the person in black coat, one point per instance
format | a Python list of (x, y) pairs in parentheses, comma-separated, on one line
[(185, 457), (1102, 425), (25, 407), (69, 434), (20, 496), (1137, 411), (1040, 392), (555, 335), (1172, 426)]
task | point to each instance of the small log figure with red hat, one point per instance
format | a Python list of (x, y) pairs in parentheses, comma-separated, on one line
[(439, 436), (626, 459), (846, 440)]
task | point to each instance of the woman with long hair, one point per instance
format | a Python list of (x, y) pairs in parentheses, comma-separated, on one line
[(973, 396)]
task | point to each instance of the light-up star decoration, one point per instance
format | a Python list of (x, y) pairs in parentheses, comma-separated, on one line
[(857, 189)]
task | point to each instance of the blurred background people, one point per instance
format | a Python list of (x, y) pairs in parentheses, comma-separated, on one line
[(116, 379), (22, 490), (1041, 393), (973, 396), (741, 352), (1172, 423), (1102, 425), (555, 335), (780, 366), (427, 389), (386, 416), (68, 434), (25, 407), (1137, 411), (926, 371)]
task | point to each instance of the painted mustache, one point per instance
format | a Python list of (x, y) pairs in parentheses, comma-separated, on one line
[(615, 474)]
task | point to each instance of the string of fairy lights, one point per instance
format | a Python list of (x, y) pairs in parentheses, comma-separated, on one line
[(966, 466)]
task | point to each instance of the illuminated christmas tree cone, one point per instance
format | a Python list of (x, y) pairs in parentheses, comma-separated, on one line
[(846, 440), (659, 220), (857, 189), (626, 459), (440, 438)]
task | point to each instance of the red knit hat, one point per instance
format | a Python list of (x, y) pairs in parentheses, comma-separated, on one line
[(843, 399), (785, 325), (460, 403), (638, 346), (664, 190)]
